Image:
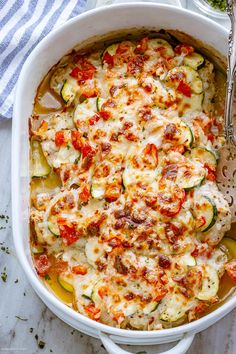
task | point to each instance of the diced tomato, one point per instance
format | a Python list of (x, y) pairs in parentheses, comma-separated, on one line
[(68, 233), (105, 115), (84, 195), (142, 46), (75, 138), (150, 155), (211, 173), (211, 137), (170, 204), (135, 65), (60, 138), (93, 312), (112, 193), (85, 71), (109, 59), (89, 93), (103, 291), (160, 293), (122, 48), (79, 269), (231, 269), (94, 119), (86, 149), (42, 264), (148, 88), (184, 49), (179, 148), (184, 88)]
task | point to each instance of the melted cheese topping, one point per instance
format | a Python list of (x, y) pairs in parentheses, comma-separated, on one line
[(134, 228)]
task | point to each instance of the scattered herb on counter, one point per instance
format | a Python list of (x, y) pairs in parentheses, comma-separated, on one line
[(218, 4), (22, 319), (4, 248), (4, 275), (31, 329), (41, 344), (16, 281)]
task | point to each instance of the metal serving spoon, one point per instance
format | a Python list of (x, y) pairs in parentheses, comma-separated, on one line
[(226, 170)]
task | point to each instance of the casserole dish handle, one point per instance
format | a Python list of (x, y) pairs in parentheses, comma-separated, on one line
[(180, 348)]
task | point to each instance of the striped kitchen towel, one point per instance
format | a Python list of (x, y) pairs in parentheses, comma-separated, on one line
[(23, 24)]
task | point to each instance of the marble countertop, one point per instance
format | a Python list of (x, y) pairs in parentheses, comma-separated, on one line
[(28, 326)]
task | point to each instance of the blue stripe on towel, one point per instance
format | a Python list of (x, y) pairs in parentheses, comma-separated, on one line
[(15, 47)]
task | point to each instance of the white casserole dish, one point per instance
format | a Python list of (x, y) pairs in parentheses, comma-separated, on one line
[(44, 56)]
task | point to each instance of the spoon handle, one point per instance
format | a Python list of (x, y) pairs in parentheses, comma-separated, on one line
[(228, 116)]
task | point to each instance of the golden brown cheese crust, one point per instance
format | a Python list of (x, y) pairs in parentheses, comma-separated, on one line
[(135, 225)]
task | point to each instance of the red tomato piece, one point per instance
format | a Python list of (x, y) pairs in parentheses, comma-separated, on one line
[(211, 173), (142, 46), (75, 139), (122, 48), (85, 71), (109, 59), (184, 49), (68, 233), (105, 115), (42, 264), (89, 94), (150, 155), (179, 148), (85, 149), (93, 312), (231, 269), (169, 204), (184, 88), (79, 269), (60, 138), (135, 65), (161, 292), (94, 119), (84, 195)]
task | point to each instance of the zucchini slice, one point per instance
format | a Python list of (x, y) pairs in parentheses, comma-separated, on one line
[(173, 307), (152, 306), (40, 167), (230, 244), (97, 190), (190, 104), (193, 60), (85, 110), (99, 103), (93, 250), (206, 213), (210, 284), (65, 284), (192, 178), (53, 227), (204, 155), (96, 298), (187, 137), (37, 249), (189, 75), (68, 91), (187, 260), (157, 43), (111, 49)]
